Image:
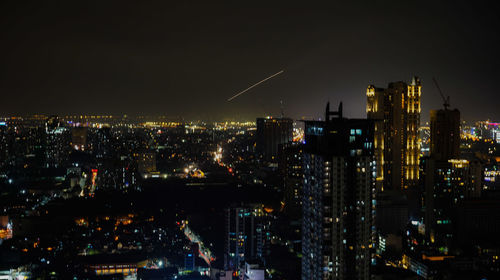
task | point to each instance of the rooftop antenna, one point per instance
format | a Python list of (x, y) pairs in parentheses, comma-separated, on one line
[(282, 109), (446, 100)]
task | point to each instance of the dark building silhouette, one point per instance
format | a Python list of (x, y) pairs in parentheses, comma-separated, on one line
[(189, 261), (478, 223), (146, 162), (271, 133), (392, 212), (447, 185), (338, 194), (449, 180), (79, 138), (445, 134)]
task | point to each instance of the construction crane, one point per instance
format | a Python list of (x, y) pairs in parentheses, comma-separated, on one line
[(446, 100)]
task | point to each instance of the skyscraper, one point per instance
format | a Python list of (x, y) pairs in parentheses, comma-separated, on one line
[(271, 133), (338, 198), (396, 111), (449, 179), (246, 235), (290, 168), (445, 134)]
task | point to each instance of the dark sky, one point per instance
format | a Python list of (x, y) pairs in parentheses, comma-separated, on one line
[(182, 58)]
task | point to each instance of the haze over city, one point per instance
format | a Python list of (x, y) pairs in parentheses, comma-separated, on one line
[(186, 59)]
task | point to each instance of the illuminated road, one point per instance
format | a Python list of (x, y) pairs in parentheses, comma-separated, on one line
[(204, 252)]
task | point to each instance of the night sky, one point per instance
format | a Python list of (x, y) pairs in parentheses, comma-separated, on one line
[(185, 59)]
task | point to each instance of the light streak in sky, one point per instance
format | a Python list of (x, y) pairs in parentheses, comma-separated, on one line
[(254, 85)]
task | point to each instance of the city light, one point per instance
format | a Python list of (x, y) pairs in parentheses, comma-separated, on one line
[(204, 140)]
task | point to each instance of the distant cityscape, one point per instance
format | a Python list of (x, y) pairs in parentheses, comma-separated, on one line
[(155, 197)]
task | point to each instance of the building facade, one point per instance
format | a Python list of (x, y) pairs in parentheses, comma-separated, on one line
[(56, 144), (290, 168), (338, 198), (146, 162), (252, 271), (396, 112), (246, 236), (445, 134), (79, 138), (447, 185), (271, 133)]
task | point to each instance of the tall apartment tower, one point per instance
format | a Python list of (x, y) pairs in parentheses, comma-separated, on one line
[(245, 234), (449, 179), (445, 134), (338, 198), (396, 111), (271, 133), (290, 170)]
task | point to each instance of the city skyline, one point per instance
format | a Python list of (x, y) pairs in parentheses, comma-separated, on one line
[(191, 141), (187, 60)]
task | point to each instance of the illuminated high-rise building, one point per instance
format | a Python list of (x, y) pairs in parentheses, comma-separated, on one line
[(445, 134), (396, 111), (338, 198), (246, 235)]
